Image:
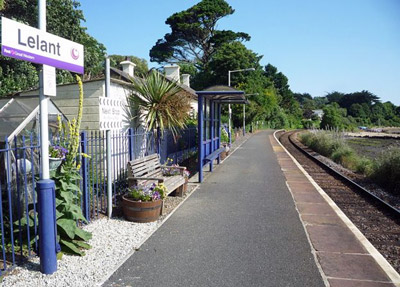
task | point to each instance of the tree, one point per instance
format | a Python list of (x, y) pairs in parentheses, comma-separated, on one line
[(334, 97), (333, 116), (232, 56), (194, 37), (160, 103), (63, 19), (358, 98)]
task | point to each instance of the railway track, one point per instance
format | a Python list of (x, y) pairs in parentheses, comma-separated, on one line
[(377, 220)]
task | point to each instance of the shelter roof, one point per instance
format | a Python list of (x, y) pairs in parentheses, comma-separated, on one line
[(224, 94)]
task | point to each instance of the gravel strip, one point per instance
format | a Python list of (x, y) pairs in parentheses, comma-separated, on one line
[(113, 239)]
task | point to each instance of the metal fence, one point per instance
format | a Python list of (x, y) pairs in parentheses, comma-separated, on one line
[(20, 169)]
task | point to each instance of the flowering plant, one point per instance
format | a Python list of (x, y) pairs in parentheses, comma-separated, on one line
[(171, 170), (57, 151), (186, 174), (174, 169), (151, 192)]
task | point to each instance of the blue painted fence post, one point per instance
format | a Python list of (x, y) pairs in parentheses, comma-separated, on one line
[(130, 144), (85, 177), (48, 246)]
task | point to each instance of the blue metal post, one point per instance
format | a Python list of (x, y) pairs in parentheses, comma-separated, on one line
[(218, 107), (200, 123), (212, 147), (85, 177), (130, 144), (47, 226)]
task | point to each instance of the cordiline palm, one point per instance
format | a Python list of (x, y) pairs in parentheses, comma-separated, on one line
[(160, 103)]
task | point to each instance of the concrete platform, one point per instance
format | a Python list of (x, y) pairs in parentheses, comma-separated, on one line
[(239, 228), (257, 220), (346, 258)]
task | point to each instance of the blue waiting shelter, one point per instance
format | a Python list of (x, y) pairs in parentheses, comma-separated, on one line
[(209, 122)]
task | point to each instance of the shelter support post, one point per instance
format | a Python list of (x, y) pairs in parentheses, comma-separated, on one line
[(200, 123), (212, 147)]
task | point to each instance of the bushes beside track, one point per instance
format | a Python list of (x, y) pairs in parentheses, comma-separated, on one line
[(384, 170)]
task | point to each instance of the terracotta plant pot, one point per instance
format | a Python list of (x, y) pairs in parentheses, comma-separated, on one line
[(138, 211)]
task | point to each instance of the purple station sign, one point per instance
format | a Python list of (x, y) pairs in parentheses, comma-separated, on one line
[(26, 43)]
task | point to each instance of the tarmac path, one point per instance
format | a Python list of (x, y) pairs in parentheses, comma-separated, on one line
[(240, 228)]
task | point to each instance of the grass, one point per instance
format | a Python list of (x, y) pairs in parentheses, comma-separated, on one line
[(384, 170), (363, 142)]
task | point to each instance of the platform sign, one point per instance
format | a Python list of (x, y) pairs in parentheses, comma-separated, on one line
[(26, 43), (49, 81), (110, 114)]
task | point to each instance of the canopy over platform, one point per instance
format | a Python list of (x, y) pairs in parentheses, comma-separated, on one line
[(209, 122), (223, 95)]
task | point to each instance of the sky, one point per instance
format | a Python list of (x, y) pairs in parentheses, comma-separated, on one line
[(321, 46)]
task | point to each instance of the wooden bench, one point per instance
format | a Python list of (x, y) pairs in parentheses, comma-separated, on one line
[(148, 170)]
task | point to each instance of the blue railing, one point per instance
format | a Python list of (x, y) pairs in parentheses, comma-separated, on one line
[(20, 168)]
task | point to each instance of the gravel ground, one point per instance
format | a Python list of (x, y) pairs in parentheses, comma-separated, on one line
[(112, 241)]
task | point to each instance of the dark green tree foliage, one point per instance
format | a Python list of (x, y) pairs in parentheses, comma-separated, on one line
[(63, 19), (333, 117), (358, 98), (194, 37), (288, 103), (232, 56), (334, 97)]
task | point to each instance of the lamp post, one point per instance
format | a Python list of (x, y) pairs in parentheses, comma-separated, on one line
[(229, 105), (244, 113)]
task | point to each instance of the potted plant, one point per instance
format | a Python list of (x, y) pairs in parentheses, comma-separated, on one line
[(143, 203), (176, 169), (186, 175), (224, 143), (56, 156)]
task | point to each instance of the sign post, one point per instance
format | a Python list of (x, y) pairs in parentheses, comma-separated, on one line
[(26, 43), (45, 186)]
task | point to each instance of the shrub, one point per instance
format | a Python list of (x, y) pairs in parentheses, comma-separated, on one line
[(386, 170), (331, 144), (364, 166), (345, 156)]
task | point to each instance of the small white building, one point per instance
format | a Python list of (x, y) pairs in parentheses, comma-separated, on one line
[(319, 113)]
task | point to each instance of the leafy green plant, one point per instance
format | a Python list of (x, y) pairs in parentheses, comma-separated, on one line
[(160, 103), (224, 135), (68, 211), (147, 193)]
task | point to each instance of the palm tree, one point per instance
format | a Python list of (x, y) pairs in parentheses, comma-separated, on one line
[(159, 103)]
